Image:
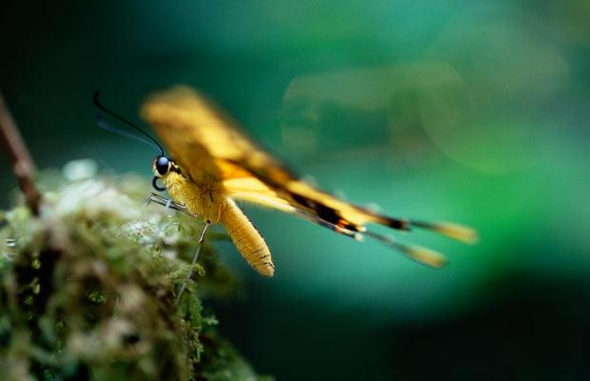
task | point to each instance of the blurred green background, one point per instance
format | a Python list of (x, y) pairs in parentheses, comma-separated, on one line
[(474, 112)]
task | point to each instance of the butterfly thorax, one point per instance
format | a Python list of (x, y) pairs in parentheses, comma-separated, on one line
[(202, 197)]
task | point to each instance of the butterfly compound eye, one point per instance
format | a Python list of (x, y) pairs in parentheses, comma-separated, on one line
[(162, 165)]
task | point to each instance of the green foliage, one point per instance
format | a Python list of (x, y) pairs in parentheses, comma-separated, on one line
[(87, 291)]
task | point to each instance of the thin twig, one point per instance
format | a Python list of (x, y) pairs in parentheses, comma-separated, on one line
[(23, 165)]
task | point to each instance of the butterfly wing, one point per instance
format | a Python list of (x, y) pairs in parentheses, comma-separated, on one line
[(207, 143), (203, 140)]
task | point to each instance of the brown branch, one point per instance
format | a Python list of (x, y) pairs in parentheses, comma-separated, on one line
[(23, 165)]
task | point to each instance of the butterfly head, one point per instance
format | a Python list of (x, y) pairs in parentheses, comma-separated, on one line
[(161, 167)]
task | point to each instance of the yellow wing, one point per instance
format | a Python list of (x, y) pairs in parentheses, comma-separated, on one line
[(204, 140), (208, 144)]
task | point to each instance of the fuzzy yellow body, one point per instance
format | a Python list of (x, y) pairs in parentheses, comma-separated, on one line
[(208, 200)]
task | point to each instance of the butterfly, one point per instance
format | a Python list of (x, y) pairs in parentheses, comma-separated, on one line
[(213, 164)]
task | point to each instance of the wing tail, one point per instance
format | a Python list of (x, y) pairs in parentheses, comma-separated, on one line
[(448, 229), (417, 253), (451, 230)]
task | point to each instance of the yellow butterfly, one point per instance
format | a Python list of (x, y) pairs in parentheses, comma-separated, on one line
[(213, 164)]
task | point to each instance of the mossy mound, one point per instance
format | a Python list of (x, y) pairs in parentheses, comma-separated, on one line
[(87, 291)]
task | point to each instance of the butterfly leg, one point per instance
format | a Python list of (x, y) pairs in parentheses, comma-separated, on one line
[(196, 256), (166, 202)]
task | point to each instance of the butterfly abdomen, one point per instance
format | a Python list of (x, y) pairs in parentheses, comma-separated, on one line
[(247, 239)]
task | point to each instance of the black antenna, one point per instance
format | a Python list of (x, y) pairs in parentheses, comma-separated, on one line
[(101, 123), (105, 126)]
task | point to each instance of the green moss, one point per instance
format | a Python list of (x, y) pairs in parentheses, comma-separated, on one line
[(87, 291)]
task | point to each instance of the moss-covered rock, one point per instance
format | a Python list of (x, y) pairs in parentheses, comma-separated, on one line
[(87, 291)]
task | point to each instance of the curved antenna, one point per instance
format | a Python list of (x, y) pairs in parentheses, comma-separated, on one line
[(105, 126), (108, 127)]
